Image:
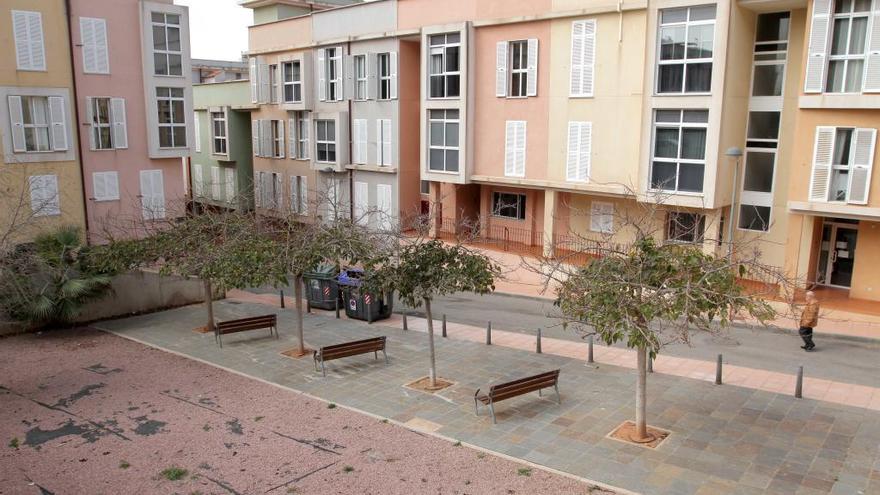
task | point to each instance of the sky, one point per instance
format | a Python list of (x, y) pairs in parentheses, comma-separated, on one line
[(218, 28)]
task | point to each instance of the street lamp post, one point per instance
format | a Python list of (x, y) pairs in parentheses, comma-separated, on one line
[(735, 153)]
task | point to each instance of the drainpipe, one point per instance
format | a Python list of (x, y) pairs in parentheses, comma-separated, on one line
[(619, 21), (79, 145), (350, 137)]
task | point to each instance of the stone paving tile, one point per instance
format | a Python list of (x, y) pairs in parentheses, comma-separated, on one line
[(724, 439)]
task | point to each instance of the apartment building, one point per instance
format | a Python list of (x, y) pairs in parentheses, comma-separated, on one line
[(131, 63), (215, 71), (221, 167), (41, 178)]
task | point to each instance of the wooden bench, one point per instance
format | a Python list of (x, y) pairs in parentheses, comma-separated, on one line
[(515, 388), (337, 351), (244, 324)]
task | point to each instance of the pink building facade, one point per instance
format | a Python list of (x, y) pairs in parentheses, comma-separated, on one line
[(134, 104)]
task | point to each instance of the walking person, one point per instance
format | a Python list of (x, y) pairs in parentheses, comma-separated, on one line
[(809, 319)]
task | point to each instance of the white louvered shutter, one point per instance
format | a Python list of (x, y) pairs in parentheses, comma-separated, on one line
[(383, 206), (44, 195), (255, 137), (229, 179), (823, 152), (322, 75), (515, 148), (579, 147), (291, 138), (361, 203), (509, 144), (585, 146), (602, 217), (303, 195), (872, 61), (111, 180), (532, 74), (215, 183), (279, 191), (106, 186), (359, 147), (17, 120), (347, 77), (94, 45), (820, 26), (102, 54), (120, 128), (197, 130), (501, 69), (281, 135), (265, 83), (152, 194), (864, 141), (90, 119), (198, 178), (372, 72), (98, 186), (386, 142), (305, 136), (254, 76), (294, 193), (583, 58), (266, 138), (58, 121), (393, 61), (258, 189), (28, 33)]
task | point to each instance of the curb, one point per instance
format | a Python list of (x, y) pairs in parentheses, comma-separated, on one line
[(605, 486)]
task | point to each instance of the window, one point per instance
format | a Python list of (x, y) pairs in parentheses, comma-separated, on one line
[(106, 186), (172, 122), (509, 205), (38, 123), (518, 68), (28, 32), (849, 36), (299, 198), (35, 113), (515, 148), (44, 195), (384, 207), (686, 45), (215, 183), (167, 52), (444, 65), (583, 57), (198, 180), (685, 227), (383, 142), (359, 141), (267, 190), (101, 128), (580, 142), (360, 77), (302, 135), (277, 139), (679, 157), (331, 78), (602, 217), (229, 179), (443, 141), (762, 140), (384, 80), (152, 194), (325, 141), (361, 202), (273, 83), (218, 127), (771, 49), (425, 186), (93, 34)]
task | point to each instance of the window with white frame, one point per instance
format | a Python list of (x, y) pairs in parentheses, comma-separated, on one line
[(685, 49), (849, 37), (383, 61), (519, 68), (218, 129), (509, 205), (35, 115), (299, 198), (679, 152), (167, 51), (842, 164), (101, 127), (291, 73), (771, 52), (762, 142), (515, 148), (444, 71), (105, 186), (443, 140), (27, 27), (277, 139), (38, 123), (383, 142), (332, 76), (172, 121), (325, 141), (602, 217), (302, 135), (425, 187), (273, 83), (360, 77), (44, 195), (93, 34), (687, 228)]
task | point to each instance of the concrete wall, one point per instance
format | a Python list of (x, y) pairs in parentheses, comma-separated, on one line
[(374, 17)]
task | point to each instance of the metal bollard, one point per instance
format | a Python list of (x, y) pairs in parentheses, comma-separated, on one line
[(336, 307), (650, 364), (538, 342), (489, 333), (718, 371), (308, 306), (799, 385), (282, 298), (405, 327), (443, 327), (590, 350)]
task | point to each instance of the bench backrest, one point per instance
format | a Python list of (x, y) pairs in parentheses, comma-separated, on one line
[(244, 324), (352, 348), (523, 385)]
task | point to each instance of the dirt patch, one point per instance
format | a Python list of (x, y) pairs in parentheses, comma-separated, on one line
[(202, 329), (296, 354), (424, 384), (626, 432)]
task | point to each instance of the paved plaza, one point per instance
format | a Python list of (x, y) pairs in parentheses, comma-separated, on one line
[(725, 439)]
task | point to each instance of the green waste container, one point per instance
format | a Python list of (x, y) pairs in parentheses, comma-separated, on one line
[(322, 291)]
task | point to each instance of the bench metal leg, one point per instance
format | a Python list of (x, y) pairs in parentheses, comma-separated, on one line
[(386, 356), (220, 339), (375, 354), (539, 393), (315, 359), (492, 410), (476, 409), (323, 371), (558, 398)]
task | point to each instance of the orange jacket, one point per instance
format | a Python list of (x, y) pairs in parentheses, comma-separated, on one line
[(810, 316)]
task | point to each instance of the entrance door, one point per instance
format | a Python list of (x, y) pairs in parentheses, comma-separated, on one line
[(837, 254)]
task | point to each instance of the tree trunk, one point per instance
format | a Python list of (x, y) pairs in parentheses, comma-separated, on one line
[(641, 395), (432, 371), (298, 294), (209, 305)]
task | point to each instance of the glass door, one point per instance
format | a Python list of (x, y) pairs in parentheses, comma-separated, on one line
[(837, 255)]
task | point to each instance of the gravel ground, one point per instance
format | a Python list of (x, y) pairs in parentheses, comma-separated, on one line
[(83, 412)]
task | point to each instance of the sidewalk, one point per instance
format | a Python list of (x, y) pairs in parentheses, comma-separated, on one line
[(769, 381)]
